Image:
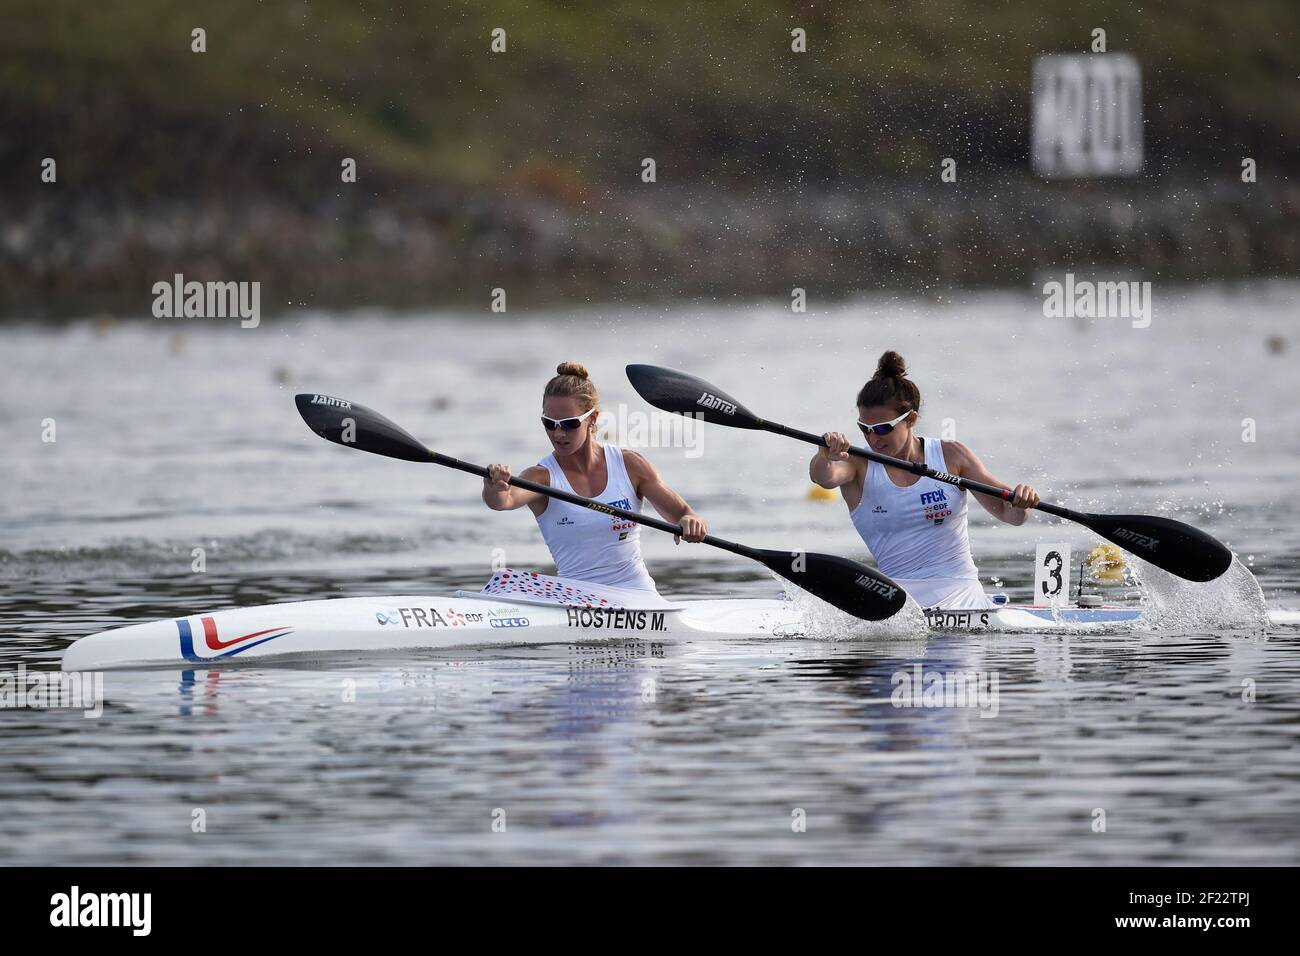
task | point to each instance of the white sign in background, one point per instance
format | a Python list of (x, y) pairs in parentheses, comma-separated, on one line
[(1087, 115)]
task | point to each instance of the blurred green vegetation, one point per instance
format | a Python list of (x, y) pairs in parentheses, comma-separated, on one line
[(586, 89)]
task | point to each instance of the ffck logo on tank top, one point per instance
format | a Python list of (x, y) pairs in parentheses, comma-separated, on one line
[(621, 525), (936, 506)]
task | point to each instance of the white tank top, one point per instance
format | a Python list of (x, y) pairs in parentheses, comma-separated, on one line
[(591, 546), (918, 535)]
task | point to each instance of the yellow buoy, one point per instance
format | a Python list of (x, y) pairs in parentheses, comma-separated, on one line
[(818, 493), (1106, 564)]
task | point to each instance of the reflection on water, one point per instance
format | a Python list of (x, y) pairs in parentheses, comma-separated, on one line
[(644, 752)]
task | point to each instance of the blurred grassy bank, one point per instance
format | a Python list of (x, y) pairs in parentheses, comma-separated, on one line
[(216, 162)]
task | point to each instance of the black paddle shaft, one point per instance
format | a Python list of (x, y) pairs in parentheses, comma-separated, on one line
[(589, 503), (1172, 545), (850, 586), (682, 392), (920, 468)]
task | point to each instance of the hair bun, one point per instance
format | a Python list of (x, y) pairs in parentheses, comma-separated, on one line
[(891, 386), (891, 365), (576, 369)]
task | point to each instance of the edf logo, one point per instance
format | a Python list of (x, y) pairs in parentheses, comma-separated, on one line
[(931, 497)]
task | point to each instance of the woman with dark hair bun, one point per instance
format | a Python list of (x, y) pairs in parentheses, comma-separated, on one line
[(915, 527), (589, 545)]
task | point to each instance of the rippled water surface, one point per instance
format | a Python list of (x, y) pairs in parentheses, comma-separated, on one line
[(1179, 740)]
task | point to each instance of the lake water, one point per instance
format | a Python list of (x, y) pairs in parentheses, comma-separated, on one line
[(177, 436)]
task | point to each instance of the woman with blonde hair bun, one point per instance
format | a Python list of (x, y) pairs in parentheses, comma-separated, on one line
[(588, 545)]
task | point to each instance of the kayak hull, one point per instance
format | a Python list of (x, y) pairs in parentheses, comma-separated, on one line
[(421, 622), (412, 622)]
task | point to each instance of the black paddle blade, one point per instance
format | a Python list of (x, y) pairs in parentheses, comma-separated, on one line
[(355, 426), (1178, 548), (853, 588), (675, 391)]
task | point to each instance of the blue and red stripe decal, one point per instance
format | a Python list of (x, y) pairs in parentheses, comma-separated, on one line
[(225, 648)]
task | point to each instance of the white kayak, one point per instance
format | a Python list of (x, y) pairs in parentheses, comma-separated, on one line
[(413, 622), (546, 611)]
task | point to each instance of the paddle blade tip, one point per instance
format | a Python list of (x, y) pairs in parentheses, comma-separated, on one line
[(1171, 545), (680, 392), (852, 587), (1214, 565), (355, 426)]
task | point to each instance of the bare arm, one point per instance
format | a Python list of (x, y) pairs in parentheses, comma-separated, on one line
[(966, 464), (499, 495), (670, 505), (831, 467)]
